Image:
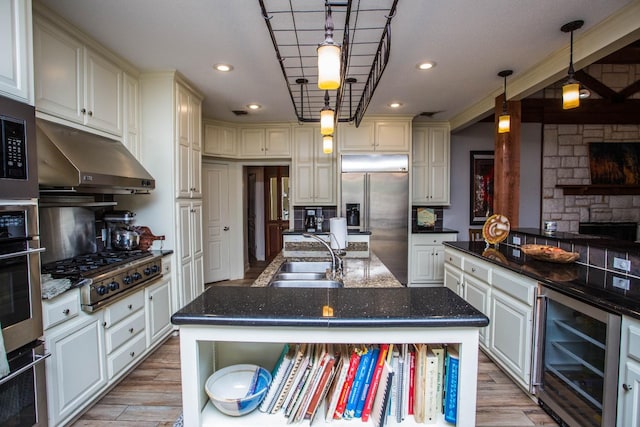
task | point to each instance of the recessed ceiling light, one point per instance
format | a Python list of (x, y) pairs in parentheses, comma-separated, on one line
[(254, 106), (395, 105), (223, 67), (426, 65)]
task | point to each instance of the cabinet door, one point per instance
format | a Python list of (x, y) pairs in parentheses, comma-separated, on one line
[(183, 148), (103, 94), (184, 233), (59, 67), (16, 65), (219, 141), (158, 310), (278, 142), (438, 264), (131, 114), (511, 335), (421, 263), (629, 405), (76, 370), (195, 144), (252, 142), (477, 293), (324, 183), (361, 138), (453, 279), (392, 136), (196, 228), (439, 165)]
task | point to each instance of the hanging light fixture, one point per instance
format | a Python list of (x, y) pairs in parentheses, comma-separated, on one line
[(504, 119), (328, 58), (327, 144), (326, 117), (571, 89)]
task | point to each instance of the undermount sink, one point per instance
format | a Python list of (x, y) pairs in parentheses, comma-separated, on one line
[(324, 283), (304, 267), (299, 276)]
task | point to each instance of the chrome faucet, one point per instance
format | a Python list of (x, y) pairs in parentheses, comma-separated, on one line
[(336, 261)]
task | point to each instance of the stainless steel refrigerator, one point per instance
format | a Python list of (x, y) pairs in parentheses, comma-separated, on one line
[(375, 198)]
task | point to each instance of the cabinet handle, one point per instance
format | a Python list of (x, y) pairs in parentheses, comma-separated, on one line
[(66, 311), (473, 270), (83, 111), (627, 387), (104, 324), (226, 228), (133, 353), (150, 297), (90, 113), (130, 306), (130, 330)]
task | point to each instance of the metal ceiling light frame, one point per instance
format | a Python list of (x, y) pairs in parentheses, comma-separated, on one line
[(295, 32), (571, 89), (504, 120)]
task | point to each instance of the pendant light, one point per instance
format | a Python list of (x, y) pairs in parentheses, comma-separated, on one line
[(504, 119), (326, 117), (328, 58), (571, 89), (327, 144)]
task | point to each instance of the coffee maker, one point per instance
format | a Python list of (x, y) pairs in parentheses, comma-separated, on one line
[(353, 214), (310, 220)]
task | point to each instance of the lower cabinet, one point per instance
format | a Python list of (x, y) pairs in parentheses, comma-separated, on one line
[(158, 309), (629, 384), (426, 258), (478, 294), (76, 371)]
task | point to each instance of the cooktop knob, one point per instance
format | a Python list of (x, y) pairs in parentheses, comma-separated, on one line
[(127, 280), (155, 268), (147, 271), (136, 276), (102, 290), (113, 286)]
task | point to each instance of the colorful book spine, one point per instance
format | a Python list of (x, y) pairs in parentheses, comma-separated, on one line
[(277, 375), (375, 381), (379, 411), (412, 377), (342, 369), (431, 388), (366, 385), (354, 362), (358, 383), (452, 363), (438, 350)]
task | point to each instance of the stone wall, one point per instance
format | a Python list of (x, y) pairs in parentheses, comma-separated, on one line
[(565, 160)]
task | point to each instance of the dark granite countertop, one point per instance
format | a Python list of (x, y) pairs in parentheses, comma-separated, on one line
[(589, 284), (581, 239), (349, 231), (426, 230), (352, 307)]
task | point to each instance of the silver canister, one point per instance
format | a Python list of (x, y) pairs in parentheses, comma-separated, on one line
[(550, 227)]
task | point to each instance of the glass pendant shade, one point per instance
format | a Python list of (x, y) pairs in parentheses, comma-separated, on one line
[(326, 121), (504, 122), (570, 95), (328, 66), (327, 144)]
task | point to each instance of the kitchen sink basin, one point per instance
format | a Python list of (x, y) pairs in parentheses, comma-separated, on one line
[(299, 276), (306, 284), (304, 267)]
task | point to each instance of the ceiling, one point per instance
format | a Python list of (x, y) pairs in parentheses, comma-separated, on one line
[(470, 42)]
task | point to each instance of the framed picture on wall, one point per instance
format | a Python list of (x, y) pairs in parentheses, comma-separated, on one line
[(481, 187)]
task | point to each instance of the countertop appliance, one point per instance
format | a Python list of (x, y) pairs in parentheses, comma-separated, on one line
[(112, 274), (576, 360), (377, 188), (18, 159)]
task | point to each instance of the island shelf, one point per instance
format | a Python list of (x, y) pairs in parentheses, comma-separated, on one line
[(213, 335)]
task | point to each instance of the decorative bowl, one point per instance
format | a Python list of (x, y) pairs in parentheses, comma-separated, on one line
[(550, 253), (238, 389)]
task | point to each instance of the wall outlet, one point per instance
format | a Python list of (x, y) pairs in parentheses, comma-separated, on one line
[(622, 264), (621, 283), (516, 240), (516, 253)]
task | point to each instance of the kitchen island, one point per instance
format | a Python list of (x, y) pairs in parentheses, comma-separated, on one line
[(228, 325)]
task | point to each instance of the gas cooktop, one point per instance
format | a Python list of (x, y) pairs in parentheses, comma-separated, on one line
[(92, 264)]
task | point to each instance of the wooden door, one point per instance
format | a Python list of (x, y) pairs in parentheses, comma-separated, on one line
[(276, 205)]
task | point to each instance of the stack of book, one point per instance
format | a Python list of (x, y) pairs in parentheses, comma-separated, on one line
[(369, 382)]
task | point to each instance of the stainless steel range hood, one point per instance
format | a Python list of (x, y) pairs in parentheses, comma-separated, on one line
[(71, 160)]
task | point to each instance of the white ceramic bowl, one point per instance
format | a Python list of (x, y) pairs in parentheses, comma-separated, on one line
[(238, 389)]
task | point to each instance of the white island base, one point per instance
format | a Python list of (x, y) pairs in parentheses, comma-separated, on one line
[(202, 345)]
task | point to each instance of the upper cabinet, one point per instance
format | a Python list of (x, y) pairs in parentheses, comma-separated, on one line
[(16, 45), (219, 140), (188, 143), (314, 172), (272, 142), (75, 82), (389, 135), (131, 114), (430, 164)]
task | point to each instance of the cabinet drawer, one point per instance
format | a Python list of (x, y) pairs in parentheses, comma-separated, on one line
[(121, 309), (123, 331), (453, 258), (126, 355), (433, 238), (60, 309), (634, 341), (515, 286), (478, 269)]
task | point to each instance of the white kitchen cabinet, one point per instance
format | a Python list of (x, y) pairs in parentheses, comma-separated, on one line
[(453, 279), (272, 142), (76, 371), (430, 164), (131, 114), (478, 294), (629, 384), (16, 45), (74, 82), (190, 253), (314, 176), (426, 258), (158, 310), (376, 135), (220, 140), (188, 143)]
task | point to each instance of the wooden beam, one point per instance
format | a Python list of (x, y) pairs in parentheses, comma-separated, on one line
[(506, 187)]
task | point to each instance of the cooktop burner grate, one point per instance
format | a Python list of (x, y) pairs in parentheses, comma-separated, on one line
[(88, 265)]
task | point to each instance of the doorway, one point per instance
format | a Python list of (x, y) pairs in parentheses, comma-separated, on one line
[(276, 202)]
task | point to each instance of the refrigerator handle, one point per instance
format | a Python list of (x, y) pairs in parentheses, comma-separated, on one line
[(367, 200)]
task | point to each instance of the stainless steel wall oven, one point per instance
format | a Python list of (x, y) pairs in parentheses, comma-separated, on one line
[(576, 360)]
